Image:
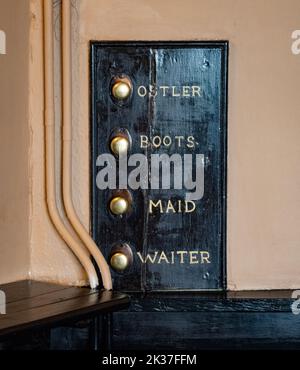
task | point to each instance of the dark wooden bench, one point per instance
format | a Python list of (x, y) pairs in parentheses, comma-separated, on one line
[(36, 307)]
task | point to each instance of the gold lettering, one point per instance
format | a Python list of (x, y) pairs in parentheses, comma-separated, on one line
[(170, 207), (142, 91), (183, 257), (153, 90), (164, 89), (196, 90), (167, 206), (172, 257), (148, 257), (186, 90), (205, 258), (153, 204), (193, 257), (144, 141), (179, 206), (167, 141), (181, 253), (156, 141), (173, 91), (187, 209), (191, 142), (178, 139), (163, 257)]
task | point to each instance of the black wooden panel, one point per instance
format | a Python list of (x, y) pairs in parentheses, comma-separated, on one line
[(252, 301), (202, 116), (107, 116), (202, 330), (207, 320)]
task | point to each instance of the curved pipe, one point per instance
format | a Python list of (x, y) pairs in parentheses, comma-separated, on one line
[(76, 248), (67, 148)]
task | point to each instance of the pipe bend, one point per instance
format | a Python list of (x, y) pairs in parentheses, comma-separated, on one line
[(67, 148), (54, 215), (73, 245)]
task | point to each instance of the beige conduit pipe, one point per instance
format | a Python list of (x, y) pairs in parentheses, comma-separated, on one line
[(76, 247), (67, 148)]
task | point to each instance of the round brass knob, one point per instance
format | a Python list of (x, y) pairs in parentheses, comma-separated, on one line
[(121, 89), (118, 205), (119, 261), (119, 145)]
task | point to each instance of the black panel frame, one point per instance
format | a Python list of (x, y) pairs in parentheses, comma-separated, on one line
[(222, 44)]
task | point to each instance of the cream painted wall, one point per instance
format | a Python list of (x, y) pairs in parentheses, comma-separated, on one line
[(51, 260), (14, 142), (264, 126)]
